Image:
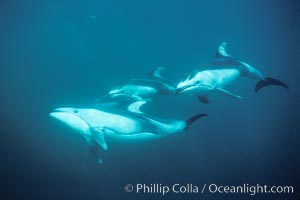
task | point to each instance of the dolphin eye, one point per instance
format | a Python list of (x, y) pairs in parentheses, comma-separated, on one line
[(75, 111)]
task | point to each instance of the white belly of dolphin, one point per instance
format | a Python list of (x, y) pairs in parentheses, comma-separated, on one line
[(219, 77), (117, 123)]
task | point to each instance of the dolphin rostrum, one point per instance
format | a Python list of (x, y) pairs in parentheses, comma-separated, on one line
[(99, 125), (223, 71)]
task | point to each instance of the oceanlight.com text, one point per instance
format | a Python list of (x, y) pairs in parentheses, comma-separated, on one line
[(189, 188)]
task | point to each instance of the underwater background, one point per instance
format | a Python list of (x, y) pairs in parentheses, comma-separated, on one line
[(69, 53)]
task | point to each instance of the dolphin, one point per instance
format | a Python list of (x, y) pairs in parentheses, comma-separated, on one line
[(143, 89), (223, 71), (98, 126)]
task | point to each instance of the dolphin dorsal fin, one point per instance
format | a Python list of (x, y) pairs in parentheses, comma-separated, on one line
[(157, 72), (135, 106), (222, 51)]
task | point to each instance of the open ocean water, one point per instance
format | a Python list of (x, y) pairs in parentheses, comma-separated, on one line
[(69, 53)]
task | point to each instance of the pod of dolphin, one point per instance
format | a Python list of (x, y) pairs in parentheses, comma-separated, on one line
[(118, 116)]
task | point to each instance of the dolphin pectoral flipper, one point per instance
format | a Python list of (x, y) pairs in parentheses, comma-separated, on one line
[(226, 92), (203, 99), (269, 81), (95, 150), (98, 136)]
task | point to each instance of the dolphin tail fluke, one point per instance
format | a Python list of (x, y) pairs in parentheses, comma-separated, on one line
[(194, 118), (269, 81)]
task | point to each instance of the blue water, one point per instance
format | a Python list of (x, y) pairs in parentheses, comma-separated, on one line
[(69, 53)]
